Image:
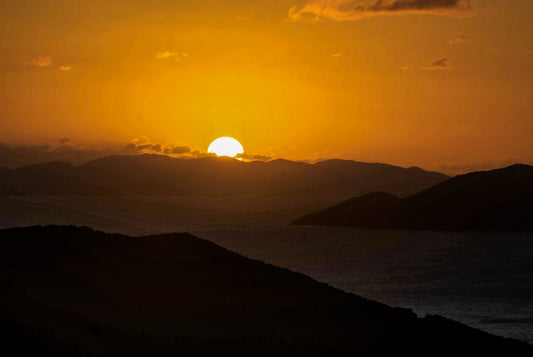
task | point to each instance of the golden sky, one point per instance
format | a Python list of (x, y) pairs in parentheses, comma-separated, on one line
[(432, 83)]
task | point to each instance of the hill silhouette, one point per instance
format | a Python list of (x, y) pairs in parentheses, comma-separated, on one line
[(75, 291), (160, 174), (490, 200)]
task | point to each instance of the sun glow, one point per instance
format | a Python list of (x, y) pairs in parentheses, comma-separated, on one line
[(225, 146)]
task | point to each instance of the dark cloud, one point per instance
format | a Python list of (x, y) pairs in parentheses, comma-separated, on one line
[(342, 10), (439, 63), (177, 150), (22, 155), (149, 147), (253, 157), (198, 154)]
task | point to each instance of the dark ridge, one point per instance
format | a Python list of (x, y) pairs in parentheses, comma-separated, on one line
[(500, 200), (361, 210), (72, 291), (163, 175)]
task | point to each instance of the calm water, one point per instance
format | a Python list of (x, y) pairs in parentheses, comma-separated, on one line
[(484, 280)]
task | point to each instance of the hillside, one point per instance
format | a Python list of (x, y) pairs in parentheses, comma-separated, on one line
[(490, 200), (73, 291)]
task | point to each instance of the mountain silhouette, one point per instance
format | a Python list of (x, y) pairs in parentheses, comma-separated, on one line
[(75, 291), (160, 174), (490, 200)]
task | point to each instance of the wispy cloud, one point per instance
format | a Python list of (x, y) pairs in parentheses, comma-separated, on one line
[(345, 10), (177, 150), (253, 157), (21, 155), (144, 145), (438, 64), (65, 68), (458, 39), (161, 55), (40, 61), (69, 150)]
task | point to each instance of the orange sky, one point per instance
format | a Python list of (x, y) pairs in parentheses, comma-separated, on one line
[(441, 84)]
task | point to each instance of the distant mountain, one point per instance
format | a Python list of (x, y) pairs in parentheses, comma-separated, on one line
[(74, 291), (491, 200), (159, 174)]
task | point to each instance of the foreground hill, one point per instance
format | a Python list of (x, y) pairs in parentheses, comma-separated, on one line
[(159, 174), (491, 200), (74, 291)]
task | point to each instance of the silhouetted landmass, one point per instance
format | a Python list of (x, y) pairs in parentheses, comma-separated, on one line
[(490, 200), (159, 174), (75, 291)]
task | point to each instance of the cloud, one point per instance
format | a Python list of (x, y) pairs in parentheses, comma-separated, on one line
[(438, 64), (40, 61), (161, 55), (405, 68), (458, 39), (198, 154), (22, 155), (345, 10), (253, 157), (65, 68), (177, 150), (149, 147), (144, 145)]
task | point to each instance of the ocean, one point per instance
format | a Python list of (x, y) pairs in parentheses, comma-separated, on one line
[(482, 279)]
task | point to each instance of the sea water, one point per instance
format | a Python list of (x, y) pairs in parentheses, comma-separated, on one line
[(482, 279)]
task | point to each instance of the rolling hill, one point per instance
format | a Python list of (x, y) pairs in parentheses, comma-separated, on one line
[(490, 200)]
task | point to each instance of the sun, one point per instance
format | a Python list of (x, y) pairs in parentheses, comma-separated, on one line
[(225, 146)]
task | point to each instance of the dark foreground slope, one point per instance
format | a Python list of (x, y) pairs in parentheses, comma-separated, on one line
[(159, 174), (492, 200), (74, 291)]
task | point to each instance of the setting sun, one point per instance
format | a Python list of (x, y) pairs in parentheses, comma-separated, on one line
[(225, 146)]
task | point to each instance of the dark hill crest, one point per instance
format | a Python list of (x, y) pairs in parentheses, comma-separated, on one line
[(499, 199), (74, 291)]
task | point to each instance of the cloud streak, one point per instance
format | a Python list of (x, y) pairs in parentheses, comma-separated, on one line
[(458, 39), (67, 150), (438, 64), (163, 55), (40, 61), (253, 157), (346, 10)]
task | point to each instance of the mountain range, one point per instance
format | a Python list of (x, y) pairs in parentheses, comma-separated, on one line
[(160, 174)]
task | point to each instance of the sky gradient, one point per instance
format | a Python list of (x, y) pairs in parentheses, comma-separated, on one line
[(442, 84)]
